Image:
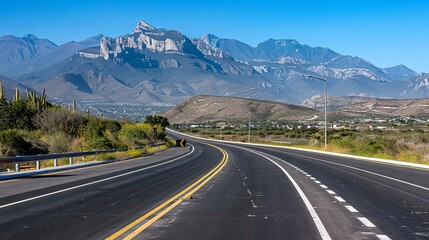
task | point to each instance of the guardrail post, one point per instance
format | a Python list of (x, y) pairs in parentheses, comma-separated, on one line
[(16, 167), (38, 165), (70, 160), (55, 162)]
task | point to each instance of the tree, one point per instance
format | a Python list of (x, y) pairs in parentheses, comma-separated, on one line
[(157, 120)]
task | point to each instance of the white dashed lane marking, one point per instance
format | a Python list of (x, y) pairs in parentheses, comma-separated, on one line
[(351, 209), (366, 222), (340, 199), (383, 237), (363, 220)]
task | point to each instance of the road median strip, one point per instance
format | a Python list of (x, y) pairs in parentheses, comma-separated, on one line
[(137, 226)]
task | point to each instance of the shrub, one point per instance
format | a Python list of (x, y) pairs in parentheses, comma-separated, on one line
[(58, 142), (15, 115), (97, 132), (135, 152), (59, 120), (135, 135), (106, 156), (14, 142)]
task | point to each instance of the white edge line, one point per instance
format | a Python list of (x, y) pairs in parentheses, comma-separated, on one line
[(98, 181), (319, 225)]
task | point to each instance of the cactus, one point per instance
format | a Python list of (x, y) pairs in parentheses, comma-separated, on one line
[(37, 103), (74, 106), (1, 91), (17, 97)]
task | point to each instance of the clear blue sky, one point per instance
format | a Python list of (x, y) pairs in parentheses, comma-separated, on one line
[(385, 32)]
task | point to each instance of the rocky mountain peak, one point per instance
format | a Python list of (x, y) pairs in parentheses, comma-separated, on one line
[(147, 38), (143, 26), (400, 72), (31, 38), (210, 39)]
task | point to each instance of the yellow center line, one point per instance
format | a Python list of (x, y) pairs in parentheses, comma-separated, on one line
[(178, 198)]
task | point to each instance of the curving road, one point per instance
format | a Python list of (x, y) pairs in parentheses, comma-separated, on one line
[(221, 191)]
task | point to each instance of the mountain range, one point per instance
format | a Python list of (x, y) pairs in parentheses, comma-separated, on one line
[(164, 67)]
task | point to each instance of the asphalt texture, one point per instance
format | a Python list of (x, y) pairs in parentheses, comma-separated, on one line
[(250, 198), (394, 198), (95, 211)]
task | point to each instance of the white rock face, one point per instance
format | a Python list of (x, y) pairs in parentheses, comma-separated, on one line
[(209, 50), (170, 63), (345, 73), (144, 37), (143, 26)]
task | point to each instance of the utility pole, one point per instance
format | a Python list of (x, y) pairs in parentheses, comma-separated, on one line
[(326, 104)]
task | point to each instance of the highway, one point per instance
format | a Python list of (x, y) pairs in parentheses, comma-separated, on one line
[(217, 190)]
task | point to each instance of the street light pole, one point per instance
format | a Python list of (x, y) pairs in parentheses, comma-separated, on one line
[(248, 138), (326, 104)]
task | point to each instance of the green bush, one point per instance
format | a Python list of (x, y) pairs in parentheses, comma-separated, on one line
[(135, 135), (106, 156), (14, 142), (15, 115), (101, 134)]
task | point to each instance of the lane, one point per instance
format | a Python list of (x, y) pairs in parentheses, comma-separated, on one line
[(360, 198), (250, 199), (98, 210), (397, 208), (42, 181)]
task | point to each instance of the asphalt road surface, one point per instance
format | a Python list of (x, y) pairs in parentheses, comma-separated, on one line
[(221, 191)]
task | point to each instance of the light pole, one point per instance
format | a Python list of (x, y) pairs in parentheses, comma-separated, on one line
[(248, 138), (326, 104)]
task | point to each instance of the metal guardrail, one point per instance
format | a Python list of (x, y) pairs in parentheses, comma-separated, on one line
[(17, 160)]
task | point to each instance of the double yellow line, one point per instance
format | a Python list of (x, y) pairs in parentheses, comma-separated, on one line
[(159, 211)]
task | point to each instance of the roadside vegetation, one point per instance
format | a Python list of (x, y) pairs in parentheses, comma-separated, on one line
[(408, 143), (31, 125)]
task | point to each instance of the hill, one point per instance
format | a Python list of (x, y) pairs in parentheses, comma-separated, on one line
[(390, 107), (212, 108)]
